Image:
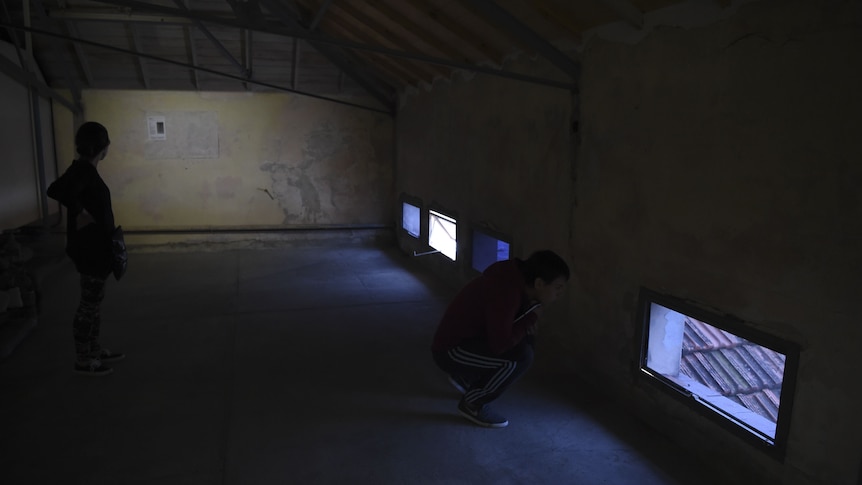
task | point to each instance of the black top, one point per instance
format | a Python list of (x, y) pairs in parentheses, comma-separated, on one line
[(82, 188)]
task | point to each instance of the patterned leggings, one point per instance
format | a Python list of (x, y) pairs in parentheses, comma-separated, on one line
[(88, 318)]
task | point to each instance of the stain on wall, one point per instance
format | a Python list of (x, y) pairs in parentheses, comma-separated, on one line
[(282, 160), (227, 187), (330, 175)]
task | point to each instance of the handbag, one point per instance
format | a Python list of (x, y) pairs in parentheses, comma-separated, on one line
[(120, 261)]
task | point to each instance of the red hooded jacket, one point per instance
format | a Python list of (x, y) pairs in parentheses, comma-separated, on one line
[(493, 307)]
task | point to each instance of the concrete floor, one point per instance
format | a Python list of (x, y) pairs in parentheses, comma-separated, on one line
[(293, 365)]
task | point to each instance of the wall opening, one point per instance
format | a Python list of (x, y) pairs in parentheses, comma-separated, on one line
[(739, 377)]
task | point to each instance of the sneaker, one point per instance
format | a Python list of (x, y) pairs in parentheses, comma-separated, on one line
[(482, 415), (459, 383), (93, 368), (107, 356)]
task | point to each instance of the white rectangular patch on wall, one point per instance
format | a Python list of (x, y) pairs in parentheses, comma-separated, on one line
[(194, 135), (156, 127)]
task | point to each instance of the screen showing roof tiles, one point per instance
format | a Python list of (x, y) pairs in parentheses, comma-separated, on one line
[(739, 379)]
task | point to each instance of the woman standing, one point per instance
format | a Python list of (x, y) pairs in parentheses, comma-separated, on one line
[(89, 232)]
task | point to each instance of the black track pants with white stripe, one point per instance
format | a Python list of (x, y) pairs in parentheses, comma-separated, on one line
[(489, 375)]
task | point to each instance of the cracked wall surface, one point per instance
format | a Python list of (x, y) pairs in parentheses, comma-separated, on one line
[(329, 180)]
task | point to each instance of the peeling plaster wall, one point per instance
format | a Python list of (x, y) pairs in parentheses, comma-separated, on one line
[(282, 161), (718, 163)]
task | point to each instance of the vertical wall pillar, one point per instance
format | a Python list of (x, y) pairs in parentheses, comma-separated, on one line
[(35, 118)]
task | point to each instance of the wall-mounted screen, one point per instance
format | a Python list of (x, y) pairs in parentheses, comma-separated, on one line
[(411, 219), (442, 234)]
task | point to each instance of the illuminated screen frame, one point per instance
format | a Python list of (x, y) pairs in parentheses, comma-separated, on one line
[(776, 447), (439, 221), (490, 234)]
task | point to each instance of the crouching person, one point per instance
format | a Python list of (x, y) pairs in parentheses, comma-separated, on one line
[(485, 339)]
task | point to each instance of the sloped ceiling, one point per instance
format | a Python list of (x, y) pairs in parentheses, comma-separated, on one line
[(335, 49)]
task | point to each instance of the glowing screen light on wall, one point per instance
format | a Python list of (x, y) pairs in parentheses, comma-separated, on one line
[(411, 219), (442, 234), (488, 250), (156, 127)]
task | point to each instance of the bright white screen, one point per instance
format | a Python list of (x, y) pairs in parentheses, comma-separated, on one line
[(442, 234)]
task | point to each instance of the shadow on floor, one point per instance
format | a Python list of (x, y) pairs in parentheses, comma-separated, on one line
[(292, 365)]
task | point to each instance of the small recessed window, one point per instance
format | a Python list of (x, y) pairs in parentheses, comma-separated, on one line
[(442, 234), (740, 377), (156, 127), (487, 250), (411, 217)]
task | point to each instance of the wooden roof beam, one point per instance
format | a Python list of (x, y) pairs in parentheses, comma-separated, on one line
[(319, 15), (416, 30), (445, 21), (561, 18), (324, 41), (339, 59), (407, 76), (360, 19), (500, 17), (393, 75), (628, 11)]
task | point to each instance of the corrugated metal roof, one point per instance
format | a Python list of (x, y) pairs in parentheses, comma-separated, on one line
[(747, 373)]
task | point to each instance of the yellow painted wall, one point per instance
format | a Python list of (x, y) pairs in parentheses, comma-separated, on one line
[(282, 161)]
